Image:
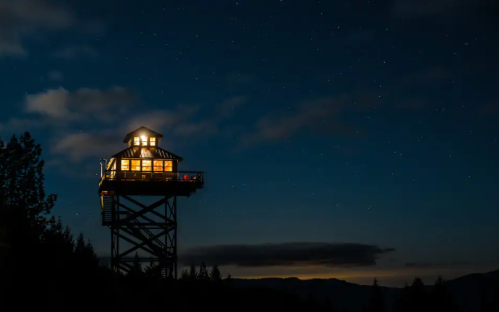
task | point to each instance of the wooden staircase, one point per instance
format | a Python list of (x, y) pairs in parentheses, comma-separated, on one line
[(107, 203)]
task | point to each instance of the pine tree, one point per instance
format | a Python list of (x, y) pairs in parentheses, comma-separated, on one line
[(441, 298), (136, 269), (376, 301), (215, 275), (403, 302), (150, 269), (193, 274), (203, 273), (184, 275), (23, 204)]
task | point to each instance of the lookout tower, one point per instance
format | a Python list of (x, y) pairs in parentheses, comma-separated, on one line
[(146, 170)]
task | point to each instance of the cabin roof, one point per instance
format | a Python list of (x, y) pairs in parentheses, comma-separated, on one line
[(147, 152), (142, 131)]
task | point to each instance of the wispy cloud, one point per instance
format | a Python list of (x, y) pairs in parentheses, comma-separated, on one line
[(320, 115), (78, 146), (61, 104), (287, 254), (23, 18), (86, 123)]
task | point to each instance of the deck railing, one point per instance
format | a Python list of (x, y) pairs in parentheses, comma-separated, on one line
[(177, 176)]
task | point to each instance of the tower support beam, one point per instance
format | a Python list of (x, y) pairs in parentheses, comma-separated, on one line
[(141, 228)]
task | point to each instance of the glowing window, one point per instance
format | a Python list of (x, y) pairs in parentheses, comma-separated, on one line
[(136, 141), (144, 140), (125, 164), (146, 165), (158, 165), (152, 141), (168, 165), (135, 165)]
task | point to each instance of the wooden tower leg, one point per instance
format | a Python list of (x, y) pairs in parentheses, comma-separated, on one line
[(139, 228)]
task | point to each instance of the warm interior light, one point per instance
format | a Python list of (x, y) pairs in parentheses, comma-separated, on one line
[(135, 165), (144, 140), (158, 165), (125, 164), (146, 165), (168, 165)]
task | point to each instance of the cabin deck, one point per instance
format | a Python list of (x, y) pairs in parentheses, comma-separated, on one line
[(180, 183)]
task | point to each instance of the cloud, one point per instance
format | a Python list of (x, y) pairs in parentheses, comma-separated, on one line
[(14, 125), (20, 18), (165, 118), (60, 104), (79, 146), (189, 120), (71, 52), (89, 123), (227, 107), (321, 115), (287, 254)]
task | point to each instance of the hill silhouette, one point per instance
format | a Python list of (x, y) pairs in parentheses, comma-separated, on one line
[(467, 290)]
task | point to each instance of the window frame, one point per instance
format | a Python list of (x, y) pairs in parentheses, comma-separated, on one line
[(128, 164), (154, 166), (165, 166), (142, 165), (132, 166)]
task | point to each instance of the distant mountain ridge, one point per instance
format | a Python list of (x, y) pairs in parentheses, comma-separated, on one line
[(467, 290)]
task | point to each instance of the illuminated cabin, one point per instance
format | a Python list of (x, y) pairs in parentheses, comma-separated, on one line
[(154, 169), (144, 169)]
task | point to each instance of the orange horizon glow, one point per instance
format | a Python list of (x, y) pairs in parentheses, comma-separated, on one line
[(387, 277)]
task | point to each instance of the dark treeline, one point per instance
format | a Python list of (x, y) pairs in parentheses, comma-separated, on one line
[(43, 266)]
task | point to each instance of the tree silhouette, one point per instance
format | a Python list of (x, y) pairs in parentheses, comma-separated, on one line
[(203, 273), (150, 270), (23, 203), (192, 273), (413, 298), (403, 302), (21, 170), (441, 299), (184, 275), (376, 301), (215, 275), (136, 268)]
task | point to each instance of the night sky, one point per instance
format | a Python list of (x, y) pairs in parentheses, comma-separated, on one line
[(360, 135)]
